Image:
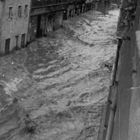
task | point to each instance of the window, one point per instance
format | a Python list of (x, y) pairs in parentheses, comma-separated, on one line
[(19, 11), (26, 11), (10, 12)]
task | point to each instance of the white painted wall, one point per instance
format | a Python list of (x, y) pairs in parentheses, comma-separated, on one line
[(15, 26)]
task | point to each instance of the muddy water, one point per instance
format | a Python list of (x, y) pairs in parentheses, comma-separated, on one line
[(65, 81)]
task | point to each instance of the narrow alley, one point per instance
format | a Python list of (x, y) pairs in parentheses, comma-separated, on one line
[(56, 88)]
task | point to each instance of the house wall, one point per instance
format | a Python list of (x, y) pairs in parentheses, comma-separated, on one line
[(12, 26), (39, 22)]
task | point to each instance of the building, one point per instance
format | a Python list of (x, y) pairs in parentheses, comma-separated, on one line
[(22, 21), (14, 19), (46, 16)]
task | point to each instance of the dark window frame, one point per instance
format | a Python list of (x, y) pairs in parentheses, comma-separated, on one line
[(19, 11), (26, 10), (10, 12)]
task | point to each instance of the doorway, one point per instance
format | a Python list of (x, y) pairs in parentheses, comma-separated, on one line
[(17, 39), (23, 40), (7, 46), (39, 30)]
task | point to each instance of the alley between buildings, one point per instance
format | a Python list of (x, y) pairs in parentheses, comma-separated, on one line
[(55, 89)]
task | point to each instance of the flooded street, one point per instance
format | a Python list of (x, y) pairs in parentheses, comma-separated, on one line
[(61, 81)]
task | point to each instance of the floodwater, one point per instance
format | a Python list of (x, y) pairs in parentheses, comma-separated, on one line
[(56, 88)]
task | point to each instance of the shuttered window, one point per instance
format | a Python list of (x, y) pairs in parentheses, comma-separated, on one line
[(26, 11), (19, 11), (10, 12)]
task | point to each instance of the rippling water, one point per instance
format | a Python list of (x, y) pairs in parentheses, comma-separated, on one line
[(64, 82)]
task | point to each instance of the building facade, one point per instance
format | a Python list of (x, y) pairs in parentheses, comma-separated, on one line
[(14, 19), (48, 15), (22, 21), (45, 16)]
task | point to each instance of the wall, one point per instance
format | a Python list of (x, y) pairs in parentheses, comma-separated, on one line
[(14, 26)]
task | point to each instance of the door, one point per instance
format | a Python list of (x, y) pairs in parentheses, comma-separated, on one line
[(23, 40), (39, 31), (17, 39), (7, 46), (33, 28), (65, 15)]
